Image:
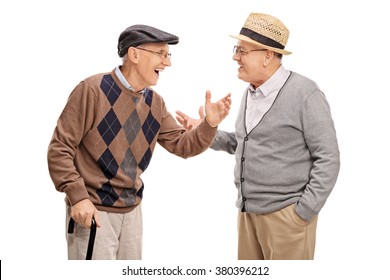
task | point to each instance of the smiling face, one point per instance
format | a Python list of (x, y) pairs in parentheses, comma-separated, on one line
[(256, 64), (145, 63), (153, 58), (251, 59)]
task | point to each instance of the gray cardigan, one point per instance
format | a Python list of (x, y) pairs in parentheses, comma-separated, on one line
[(291, 156)]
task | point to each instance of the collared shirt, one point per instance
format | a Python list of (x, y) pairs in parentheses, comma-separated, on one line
[(123, 80), (260, 100)]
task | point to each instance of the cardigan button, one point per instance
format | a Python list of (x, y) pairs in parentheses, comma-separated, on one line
[(242, 179), (246, 138)]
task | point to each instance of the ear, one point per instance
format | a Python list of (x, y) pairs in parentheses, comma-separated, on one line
[(269, 55), (132, 54)]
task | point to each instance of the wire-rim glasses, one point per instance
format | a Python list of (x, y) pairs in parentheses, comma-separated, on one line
[(162, 55), (237, 50)]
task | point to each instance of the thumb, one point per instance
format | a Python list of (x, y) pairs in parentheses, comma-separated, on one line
[(201, 112), (97, 220), (208, 97)]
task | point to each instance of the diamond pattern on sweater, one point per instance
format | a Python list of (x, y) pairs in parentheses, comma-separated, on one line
[(135, 100), (110, 89), (108, 164), (109, 127), (128, 196), (148, 95), (132, 126), (107, 194), (123, 130), (140, 192), (150, 128), (129, 165), (144, 162)]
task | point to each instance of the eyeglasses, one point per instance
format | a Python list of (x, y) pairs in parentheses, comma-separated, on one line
[(237, 50), (162, 55)]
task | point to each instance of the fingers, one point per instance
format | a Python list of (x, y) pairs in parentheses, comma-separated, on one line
[(181, 117), (97, 220), (180, 120), (228, 96), (88, 220), (83, 211), (83, 219), (201, 112), (227, 100), (208, 97), (181, 114)]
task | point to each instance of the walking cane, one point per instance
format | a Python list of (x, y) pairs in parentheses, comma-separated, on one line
[(92, 236)]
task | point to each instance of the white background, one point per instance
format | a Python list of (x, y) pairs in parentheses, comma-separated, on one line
[(47, 47)]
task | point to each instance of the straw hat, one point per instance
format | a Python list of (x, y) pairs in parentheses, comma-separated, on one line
[(265, 31)]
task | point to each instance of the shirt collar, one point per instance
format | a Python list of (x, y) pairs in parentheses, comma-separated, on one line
[(123, 80), (276, 81)]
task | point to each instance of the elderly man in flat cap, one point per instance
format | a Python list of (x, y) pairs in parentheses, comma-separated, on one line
[(285, 145), (104, 141)]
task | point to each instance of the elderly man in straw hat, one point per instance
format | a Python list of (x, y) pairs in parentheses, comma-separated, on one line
[(285, 145), (105, 138)]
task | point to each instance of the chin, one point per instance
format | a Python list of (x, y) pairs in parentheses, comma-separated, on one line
[(154, 82), (241, 77)]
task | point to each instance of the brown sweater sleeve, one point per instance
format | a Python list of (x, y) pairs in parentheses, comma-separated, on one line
[(73, 123)]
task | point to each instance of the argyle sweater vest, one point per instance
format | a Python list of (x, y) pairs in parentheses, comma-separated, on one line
[(104, 141)]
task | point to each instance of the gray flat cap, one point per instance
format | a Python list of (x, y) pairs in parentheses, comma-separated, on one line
[(139, 34)]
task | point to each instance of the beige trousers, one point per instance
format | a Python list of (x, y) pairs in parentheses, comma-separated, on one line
[(118, 238), (281, 235)]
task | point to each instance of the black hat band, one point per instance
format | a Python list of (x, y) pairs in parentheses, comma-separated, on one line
[(261, 38)]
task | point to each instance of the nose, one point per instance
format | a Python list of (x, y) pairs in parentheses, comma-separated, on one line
[(167, 61)]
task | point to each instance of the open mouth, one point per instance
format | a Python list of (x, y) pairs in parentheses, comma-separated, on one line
[(157, 71)]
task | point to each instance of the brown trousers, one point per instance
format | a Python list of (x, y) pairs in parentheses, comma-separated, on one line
[(281, 235)]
